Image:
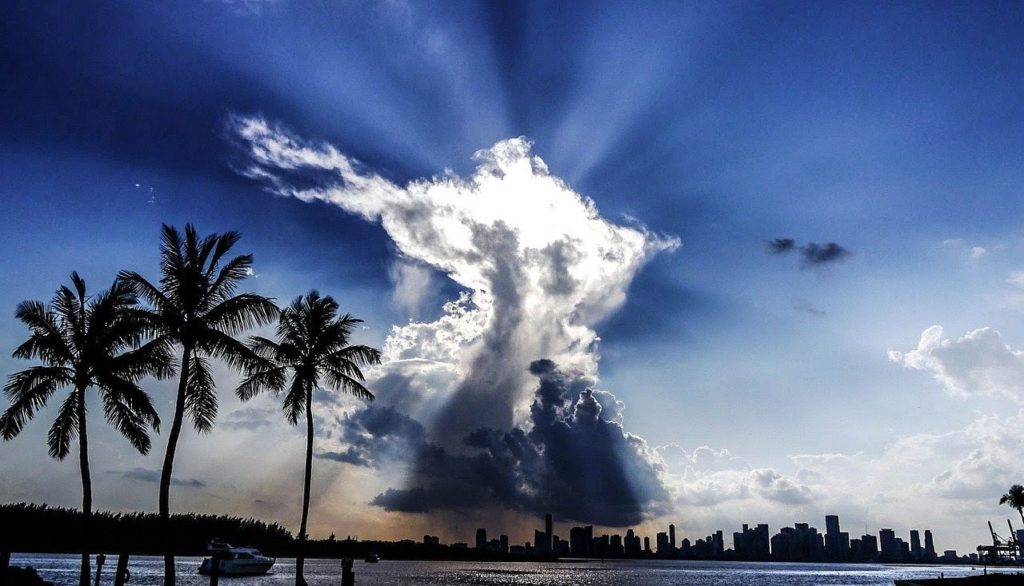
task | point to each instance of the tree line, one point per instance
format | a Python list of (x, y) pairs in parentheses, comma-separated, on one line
[(106, 344), (42, 528)]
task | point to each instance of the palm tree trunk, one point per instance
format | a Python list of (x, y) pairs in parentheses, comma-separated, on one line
[(165, 474), (83, 461), (300, 558)]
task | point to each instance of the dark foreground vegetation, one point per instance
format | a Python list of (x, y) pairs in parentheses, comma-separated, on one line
[(42, 529), (31, 528)]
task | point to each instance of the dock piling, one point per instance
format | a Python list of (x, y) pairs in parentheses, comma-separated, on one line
[(99, 567), (348, 577), (121, 576)]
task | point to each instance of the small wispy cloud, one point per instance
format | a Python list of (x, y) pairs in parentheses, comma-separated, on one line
[(147, 475), (812, 254), (805, 306), (781, 245)]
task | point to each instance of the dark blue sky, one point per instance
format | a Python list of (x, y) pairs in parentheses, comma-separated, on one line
[(894, 129)]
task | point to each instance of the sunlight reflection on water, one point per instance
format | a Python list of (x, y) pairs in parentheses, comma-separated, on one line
[(148, 571)]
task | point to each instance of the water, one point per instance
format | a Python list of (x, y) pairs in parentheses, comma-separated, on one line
[(148, 570)]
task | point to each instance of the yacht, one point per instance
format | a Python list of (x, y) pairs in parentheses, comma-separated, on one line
[(235, 561)]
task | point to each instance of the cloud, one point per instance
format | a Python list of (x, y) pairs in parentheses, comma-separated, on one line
[(805, 306), (413, 285), (539, 269), (706, 477), (573, 459), (251, 418), (147, 475), (1016, 279), (781, 245), (978, 363), (814, 254)]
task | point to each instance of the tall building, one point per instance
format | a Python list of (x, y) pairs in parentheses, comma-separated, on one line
[(868, 548), (662, 541), (672, 537), (548, 533), (481, 538), (929, 547), (538, 542), (503, 543), (889, 545), (752, 544), (915, 545), (836, 547), (581, 540)]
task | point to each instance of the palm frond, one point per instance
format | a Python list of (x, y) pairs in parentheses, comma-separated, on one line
[(129, 410), (64, 429), (271, 379), (295, 399), (200, 395), (343, 382), (228, 277), (240, 313)]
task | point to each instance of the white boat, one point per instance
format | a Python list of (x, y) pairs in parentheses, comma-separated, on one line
[(235, 561)]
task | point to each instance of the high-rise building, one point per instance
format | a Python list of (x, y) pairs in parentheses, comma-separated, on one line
[(929, 547), (662, 540), (481, 538), (538, 542), (647, 544), (548, 533), (915, 545), (503, 543), (890, 546), (831, 524), (672, 537), (581, 540), (751, 544), (836, 547), (868, 548)]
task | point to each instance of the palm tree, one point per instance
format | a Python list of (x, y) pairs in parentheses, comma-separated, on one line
[(86, 342), (1015, 499), (196, 308), (312, 347)]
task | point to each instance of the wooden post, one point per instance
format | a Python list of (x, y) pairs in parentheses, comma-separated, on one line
[(99, 567), (214, 569), (122, 575), (348, 578)]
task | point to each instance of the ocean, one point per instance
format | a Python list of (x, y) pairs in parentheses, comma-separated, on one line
[(148, 570)]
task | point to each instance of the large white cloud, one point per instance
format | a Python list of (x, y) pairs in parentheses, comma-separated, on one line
[(977, 363), (540, 266)]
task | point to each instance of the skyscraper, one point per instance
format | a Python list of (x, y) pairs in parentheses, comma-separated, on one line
[(836, 547), (929, 546), (671, 537), (481, 538), (547, 533), (915, 545)]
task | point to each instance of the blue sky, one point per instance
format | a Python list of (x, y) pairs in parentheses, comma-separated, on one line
[(892, 129)]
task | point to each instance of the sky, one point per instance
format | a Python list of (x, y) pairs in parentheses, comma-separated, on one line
[(696, 263)]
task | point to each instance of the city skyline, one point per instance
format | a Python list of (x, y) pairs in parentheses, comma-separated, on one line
[(799, 543), (688, 264)]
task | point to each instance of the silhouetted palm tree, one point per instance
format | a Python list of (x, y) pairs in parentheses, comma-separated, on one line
[(196, 307), (1015, 499), (313, 346), (86, 342)]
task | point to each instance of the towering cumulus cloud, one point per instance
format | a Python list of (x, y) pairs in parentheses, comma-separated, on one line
[(539, 268)]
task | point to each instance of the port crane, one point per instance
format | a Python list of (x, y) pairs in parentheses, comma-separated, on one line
[(1002, 551)]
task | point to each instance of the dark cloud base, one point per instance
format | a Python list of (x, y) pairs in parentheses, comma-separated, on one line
[(575, 461)]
